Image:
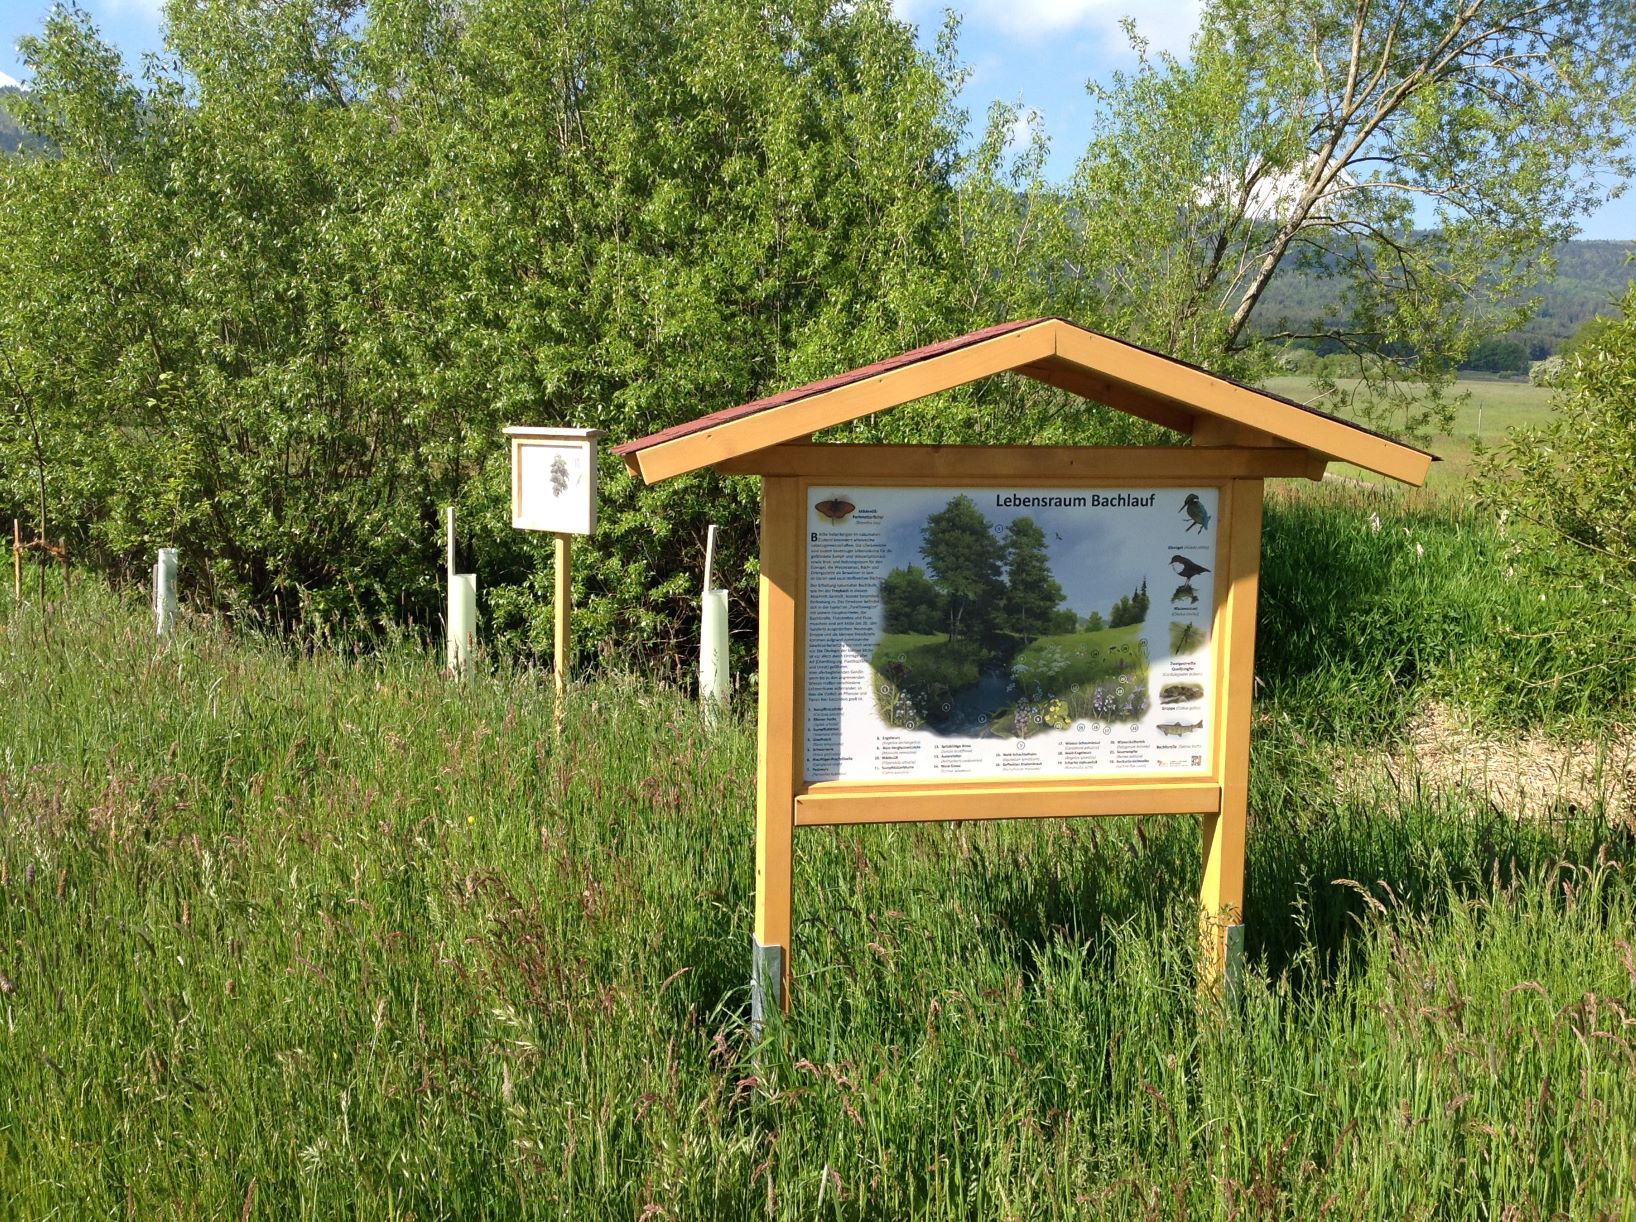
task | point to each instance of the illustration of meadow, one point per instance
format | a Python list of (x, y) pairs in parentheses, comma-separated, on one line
[(979, 642), (923, 681)]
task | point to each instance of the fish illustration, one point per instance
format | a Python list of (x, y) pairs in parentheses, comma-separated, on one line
[(1180, 693), (1175, 729), (836, 509)]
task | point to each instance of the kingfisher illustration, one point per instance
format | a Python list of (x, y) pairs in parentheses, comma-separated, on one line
[(1195, 510), (1185, 568)]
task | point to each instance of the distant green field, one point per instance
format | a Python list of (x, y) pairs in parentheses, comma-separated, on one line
[(1489, 411)]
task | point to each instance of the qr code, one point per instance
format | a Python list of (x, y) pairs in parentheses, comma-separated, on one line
[(1198, 761)]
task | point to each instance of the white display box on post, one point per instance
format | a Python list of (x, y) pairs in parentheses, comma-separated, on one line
[(553, 479)]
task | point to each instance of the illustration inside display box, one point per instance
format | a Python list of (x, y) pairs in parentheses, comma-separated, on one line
[(983, 632)]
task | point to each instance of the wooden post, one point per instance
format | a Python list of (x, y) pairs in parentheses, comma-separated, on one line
[(1221, 891), (561, 612), (16, 560), (781, 549), (448, 541)]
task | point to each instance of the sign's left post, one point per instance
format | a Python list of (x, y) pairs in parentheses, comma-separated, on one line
[(778, 691)]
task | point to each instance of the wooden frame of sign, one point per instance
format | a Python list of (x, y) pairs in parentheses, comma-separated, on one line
[(1240, 438)]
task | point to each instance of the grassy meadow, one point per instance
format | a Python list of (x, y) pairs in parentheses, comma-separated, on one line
[(313, 934), (1487, 410)]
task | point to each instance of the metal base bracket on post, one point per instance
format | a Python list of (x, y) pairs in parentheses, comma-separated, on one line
[(766, 982), (1233, 969)]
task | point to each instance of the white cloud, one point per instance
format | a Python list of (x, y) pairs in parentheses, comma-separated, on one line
[(1168, 25), (146, 10), (1022, 128), (1272, 197)]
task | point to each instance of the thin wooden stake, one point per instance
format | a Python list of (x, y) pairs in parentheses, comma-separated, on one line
[(449, 564), (16, 560), (561, 612)]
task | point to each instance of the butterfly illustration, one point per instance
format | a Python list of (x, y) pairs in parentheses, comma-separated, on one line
[(835, 509)]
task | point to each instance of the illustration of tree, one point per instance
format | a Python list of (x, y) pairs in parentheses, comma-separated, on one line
[(1131, 609), (559, 476), (1094, 622), (964, 557), (911, 601), (1032, 593)]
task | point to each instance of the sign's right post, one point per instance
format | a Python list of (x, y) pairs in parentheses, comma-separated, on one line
[(1221, 891)]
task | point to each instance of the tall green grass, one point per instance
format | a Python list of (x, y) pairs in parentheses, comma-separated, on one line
[(1373, 603), (289, 935)]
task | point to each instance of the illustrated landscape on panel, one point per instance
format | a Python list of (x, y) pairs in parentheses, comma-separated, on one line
[(981, 636)]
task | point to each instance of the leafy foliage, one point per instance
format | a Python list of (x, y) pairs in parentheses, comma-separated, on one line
[(1131, 608), (1569, 482), (273, 303), (13, 136), (1316, 136), (911, 602), (1032, 593), (275, 307)]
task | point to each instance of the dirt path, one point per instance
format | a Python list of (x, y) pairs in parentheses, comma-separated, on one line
[(1525, 774)]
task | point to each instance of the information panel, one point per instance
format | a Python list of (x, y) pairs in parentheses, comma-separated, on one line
[(1008, 632)]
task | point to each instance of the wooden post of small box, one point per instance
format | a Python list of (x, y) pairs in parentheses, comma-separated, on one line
[(1158, 721), (553, 489)]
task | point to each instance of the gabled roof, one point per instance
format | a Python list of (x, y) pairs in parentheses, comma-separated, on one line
[(1098, 367)]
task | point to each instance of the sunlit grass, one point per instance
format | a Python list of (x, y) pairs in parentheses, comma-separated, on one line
[(321, 935)]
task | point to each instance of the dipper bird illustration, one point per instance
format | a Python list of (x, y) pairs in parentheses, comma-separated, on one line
[(1185, 568), (1195, 510)]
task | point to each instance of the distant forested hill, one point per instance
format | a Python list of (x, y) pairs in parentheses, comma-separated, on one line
[(1590, 277), (12, 136)]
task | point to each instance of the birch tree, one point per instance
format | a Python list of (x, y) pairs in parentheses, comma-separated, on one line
[(1427, 156)]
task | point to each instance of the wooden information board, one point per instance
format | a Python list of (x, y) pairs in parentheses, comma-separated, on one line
[(846, 734), (1003, 632)]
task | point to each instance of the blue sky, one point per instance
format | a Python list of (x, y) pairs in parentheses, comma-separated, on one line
[(1038, 53)]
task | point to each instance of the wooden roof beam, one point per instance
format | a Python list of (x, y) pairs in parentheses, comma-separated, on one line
[(1242, 405), (848, 402), (845, 462), (1121, 397)]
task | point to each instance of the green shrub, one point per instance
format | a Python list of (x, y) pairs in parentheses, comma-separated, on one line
[(1568, 483), (1373, 603)]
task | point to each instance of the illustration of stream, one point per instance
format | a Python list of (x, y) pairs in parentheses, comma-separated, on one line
[(972, 707)]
